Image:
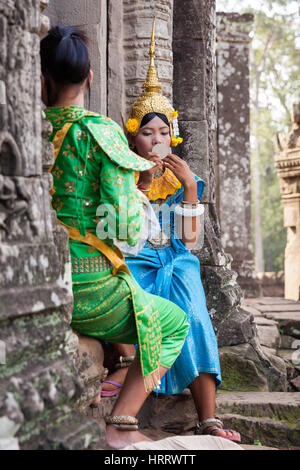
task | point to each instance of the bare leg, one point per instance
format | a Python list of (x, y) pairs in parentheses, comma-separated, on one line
[(203, 391), (119, 374), (130, 401)]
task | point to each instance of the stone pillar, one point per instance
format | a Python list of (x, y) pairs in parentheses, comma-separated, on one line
[(38, 385), (130, 27), (233, 192), (287, 162), (195, 99), (194, 91), (91, 16)]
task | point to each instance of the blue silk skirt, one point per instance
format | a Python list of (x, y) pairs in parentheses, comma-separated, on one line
[(174, 273)]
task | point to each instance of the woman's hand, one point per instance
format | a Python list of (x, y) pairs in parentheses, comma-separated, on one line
[(180, 169), (146, 177)]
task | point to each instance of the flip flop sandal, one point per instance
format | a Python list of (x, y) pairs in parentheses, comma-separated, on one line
[(111, 393)]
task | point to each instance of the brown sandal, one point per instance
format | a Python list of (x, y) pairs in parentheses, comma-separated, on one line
[(213, 425)]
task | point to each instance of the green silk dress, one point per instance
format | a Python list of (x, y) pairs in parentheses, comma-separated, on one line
[(95, 169)]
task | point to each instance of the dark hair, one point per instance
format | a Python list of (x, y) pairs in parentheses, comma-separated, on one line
[(148, 117), (64, 56)]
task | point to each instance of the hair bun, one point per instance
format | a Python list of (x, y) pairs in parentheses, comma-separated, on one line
[(65, 61)]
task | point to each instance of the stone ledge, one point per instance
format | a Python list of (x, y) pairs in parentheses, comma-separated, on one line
[(288, 321), (266, 430), (278, 405)]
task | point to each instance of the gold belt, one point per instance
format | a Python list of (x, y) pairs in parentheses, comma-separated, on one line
[(90, 264)]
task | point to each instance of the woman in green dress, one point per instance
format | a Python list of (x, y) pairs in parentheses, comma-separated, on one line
[(96, 199)]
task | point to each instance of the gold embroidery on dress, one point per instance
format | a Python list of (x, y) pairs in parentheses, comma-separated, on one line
[(164, 186)]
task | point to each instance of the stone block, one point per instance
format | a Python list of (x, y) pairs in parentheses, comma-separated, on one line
[(91, 16), (287, 342), (268, 335), (239, 372), (77, 12), (296, 383), (237, 328), (268, 431), (189, 89), (277, 405), (115, 64), (173, 414), (192, 25), (75, 434), (288, 321), (264, 371), (89, 368), (194, 150)]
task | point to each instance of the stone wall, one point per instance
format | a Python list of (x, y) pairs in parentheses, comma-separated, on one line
[(38, 384), (91, 16), (194, 47), (195, 99), (287, 162), (130, 27), (233, 195)]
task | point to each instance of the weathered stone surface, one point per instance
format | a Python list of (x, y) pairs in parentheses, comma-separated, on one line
[(233, 167), (71, 435), (198, 121), (130, 29), (287, 162), (38, 384), (288, 322), (268, 335), (267, 431), (279, 405), (173, 414), (247, 367), (296, 383), (270, 418), (89, 368), (286, 309), (91, 16), (271, 283), (268, 301), (288, 342), (240, 371), (194, 134), (237, 328)]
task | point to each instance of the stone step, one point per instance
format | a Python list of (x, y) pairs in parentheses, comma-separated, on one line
[(288, 322), (268, 301), (268, 333), (267, 431), (278, 405), (272, 418), (291, 356), (287, 308)]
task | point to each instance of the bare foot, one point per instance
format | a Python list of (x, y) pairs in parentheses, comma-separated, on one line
[(225, 433), (117, 376), (120, 439)]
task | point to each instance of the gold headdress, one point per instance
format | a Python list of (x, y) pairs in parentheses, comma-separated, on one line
[(152, 101)]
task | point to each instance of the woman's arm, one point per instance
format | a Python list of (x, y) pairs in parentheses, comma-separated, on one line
[(190, 226)]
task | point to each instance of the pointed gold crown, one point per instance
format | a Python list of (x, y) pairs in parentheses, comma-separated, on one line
[(151, 100)]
